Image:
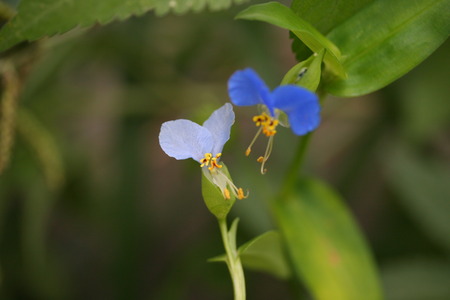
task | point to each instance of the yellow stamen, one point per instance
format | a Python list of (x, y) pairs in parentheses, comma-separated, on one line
[(226, 185), (214, 164), (205, 161), (240, 194), (266, 155), (267, 123), (209, 159), (269, 127), (249, 148), (226, 193), (261, 119)]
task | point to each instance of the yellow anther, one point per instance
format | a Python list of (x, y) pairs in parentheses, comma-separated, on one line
[(205, 160), (267, 123), (268, 131), (240, 194), (209, 159), (261, 119), (226, 193), (269, 127), (214, 164)]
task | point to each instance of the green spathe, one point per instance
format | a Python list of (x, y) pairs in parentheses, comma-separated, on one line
[(217, 204), (306, 73)]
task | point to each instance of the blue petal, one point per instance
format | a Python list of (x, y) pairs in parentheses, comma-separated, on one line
[(219, 125), (245, 88), (305, 119), (182, 139), (301, 106)]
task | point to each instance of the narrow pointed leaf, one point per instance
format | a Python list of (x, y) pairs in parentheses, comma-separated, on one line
[(324, 15), (282, 16), (385, 40), (220, 258), (265, 253), (39, 18), (326, 246)]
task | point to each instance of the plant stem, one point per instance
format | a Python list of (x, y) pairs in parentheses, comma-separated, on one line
[(299, 156), (297, 162), (233, 261)]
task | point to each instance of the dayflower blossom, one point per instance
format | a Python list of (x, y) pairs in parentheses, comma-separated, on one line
[(300, 105), (182, 139)]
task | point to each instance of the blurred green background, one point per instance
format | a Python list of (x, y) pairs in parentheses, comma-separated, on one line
[(91, 208)]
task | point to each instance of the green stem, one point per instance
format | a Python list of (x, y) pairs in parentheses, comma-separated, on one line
[(297, 162), (299, 157), (233, 262)]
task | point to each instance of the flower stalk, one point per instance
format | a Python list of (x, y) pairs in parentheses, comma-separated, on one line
[(233, 260), (299, 157)]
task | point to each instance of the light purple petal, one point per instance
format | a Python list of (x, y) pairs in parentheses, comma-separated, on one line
[(301, 106), (219, 125), (182, 139), (246, 88)]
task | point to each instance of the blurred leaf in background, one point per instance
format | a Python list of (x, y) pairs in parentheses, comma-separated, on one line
[(37, 19), (327, 250)]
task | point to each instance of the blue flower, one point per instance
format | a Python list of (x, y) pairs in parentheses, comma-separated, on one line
[(183, 139), (300, 105)]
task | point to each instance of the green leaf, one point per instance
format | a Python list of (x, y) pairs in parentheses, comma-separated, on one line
[(265, 253), (219, 258), (282, 16), (214, 200), (39, 18), (324, 15), (423, 189), (326, 246), (385, 40)]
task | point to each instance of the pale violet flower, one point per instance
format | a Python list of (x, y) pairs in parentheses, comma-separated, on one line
[(183, 139)]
